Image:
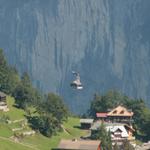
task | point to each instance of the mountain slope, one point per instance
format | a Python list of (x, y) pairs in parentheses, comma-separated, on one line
[(17, 120)]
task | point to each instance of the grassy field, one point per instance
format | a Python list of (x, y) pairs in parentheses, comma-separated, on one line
[(5, 130), (37, 141), (44, 143), (14, 113), (9, 145)]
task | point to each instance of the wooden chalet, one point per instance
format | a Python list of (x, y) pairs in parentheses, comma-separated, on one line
[(120, 114), (79, 145)]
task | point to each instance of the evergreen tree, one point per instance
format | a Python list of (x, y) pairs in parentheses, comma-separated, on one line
[(104, 102), (50, 125), (103, 136), (24, 93), (51, 108), (54, 105), (9, 77), (52, 112)]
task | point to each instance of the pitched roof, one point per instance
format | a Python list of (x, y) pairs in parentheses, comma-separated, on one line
[(114, 129), (101, 115), (129, 127), (86, 121), (79, 145), (120, 111)]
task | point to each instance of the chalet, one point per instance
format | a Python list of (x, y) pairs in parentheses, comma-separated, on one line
[(3, 103), (120, 114), (79, 145), (118, 121), (86, 123), (119, 133)]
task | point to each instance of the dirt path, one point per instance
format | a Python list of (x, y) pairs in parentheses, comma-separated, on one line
[(66, 130)]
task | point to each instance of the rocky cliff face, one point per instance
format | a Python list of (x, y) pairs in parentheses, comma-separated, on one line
[(107, 41)]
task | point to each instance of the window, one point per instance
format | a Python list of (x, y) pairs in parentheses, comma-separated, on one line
[(115, 111), (122, 112)]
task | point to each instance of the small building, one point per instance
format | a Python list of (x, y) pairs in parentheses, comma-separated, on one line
[(79, 145), (118, 132), (2, 96), (86, 123), (3, 103)]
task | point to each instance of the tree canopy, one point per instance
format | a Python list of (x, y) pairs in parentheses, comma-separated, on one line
[(50, 109), (8, 75)]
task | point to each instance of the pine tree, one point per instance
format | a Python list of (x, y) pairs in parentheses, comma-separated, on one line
[(9, 77), (104, 137)]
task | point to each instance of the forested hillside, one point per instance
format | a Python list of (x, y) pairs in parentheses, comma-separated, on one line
[(44, 116), (49, 110)]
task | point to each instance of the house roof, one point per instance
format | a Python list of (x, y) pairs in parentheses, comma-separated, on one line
[(129, 127), (101, 115), (2, 94), (90, 121), (121, 128), (120, 111), (79, 145)]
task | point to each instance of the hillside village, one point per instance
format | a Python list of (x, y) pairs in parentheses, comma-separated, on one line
[(117, 121)]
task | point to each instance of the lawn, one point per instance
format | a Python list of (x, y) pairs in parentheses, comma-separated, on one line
[(9, 145), (5, 130), (37, 141), (73, 127), (13, 113), (44, 143)]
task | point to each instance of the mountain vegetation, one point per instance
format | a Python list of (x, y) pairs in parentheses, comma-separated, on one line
[(50, 108), (101, 103), (37, 141), (46, 113), (51, 114), (9, 78)]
